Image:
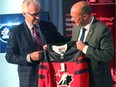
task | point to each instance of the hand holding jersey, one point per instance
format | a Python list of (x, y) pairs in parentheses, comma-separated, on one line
[(35, 56), (80, 45)]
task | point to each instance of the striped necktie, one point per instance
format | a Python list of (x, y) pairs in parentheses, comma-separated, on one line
[(83, 34), (37, 39)]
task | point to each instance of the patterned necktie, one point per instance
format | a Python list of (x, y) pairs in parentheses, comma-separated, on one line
[(83, 34), (37, 39)]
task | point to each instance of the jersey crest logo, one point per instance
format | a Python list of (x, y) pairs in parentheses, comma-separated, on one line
[(63, 78)]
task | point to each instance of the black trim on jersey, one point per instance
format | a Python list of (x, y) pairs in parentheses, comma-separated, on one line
[(81, 71), (82, 60), (41, 76), (70, 55), (42, 67)]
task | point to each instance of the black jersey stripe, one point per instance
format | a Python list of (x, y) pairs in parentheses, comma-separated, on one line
[(42, 67), (41, 76), (81, 71), (82, 60)]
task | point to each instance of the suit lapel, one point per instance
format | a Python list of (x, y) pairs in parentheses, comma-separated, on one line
[(28, 35), (91, 31), (43, 32), (89, 34)]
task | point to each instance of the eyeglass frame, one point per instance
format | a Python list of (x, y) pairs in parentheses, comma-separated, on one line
[(34, 14)]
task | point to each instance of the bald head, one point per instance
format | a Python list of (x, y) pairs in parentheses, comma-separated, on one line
[(81, 13), (81, 7)]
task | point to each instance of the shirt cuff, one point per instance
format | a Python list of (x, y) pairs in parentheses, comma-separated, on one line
[(29, 58), (85, 49)]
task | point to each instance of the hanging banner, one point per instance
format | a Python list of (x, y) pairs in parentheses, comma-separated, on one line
[(67, 23), (104, 10)]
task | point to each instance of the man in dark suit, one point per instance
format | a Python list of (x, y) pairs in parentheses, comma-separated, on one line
[(21, 48), (97, 45)]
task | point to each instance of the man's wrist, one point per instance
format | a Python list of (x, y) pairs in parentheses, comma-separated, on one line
[(29, 58), (85, 49)]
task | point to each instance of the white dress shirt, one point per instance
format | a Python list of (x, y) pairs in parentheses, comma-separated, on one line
[(87, 27)]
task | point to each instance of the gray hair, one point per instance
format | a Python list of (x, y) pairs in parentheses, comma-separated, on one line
[(25, 4)]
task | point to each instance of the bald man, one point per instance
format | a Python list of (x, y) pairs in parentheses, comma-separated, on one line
[(97, 44)]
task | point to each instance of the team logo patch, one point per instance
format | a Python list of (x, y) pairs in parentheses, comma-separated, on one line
[(63, 78)]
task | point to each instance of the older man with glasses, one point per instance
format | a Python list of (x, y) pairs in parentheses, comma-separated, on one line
[(23, 47)]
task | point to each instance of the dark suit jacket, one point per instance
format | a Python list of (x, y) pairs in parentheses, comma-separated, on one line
[(20, 44), (99, 53)]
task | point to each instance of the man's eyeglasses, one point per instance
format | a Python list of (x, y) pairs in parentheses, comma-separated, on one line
[(34, 14)]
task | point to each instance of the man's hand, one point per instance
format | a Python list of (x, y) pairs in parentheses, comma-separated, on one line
[(45, 47), (37, 55), (80, 45)]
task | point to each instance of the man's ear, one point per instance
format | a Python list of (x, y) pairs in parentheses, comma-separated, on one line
[(23, 14), (85, 16)]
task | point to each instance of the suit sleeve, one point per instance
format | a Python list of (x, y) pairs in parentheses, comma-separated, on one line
[(104, 51), (12, 51)]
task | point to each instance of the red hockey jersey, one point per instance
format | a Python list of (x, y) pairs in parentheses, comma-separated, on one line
[(63, 66)]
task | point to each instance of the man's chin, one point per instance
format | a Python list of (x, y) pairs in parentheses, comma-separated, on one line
[(79, 25), (36, 22)]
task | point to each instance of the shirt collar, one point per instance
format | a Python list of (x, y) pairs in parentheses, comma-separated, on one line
[(30, 26)]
